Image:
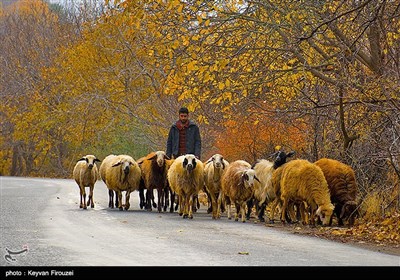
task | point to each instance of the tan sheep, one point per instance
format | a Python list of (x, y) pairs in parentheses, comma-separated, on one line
[(86, 174), (186, 179), (102, 171), (214, 168), (343, 189), (237, 187), (303, 181), (294, 207), (121, 173)]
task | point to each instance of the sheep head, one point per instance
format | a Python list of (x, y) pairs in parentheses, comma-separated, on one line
[(281, 158), (90, 160), (325, 212), (160, 157), (217, 160), (189, 162), (349, 212), (125, 165), (248, 178)]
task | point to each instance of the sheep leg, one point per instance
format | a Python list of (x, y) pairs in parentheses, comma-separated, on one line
[(237, 206), (243, 211), (181, 205), (117, 199), (273, 207), (119, 193), (110, 198), (261, 212), (166, 198), (228, 204), (172, 194), (148, 200), (90, 201), (191, 200), (83, 197), (219, 203), (80, 197), (177, 202), (213, 206), (127, 198), (284, 206), (159, 197), (142, 200), (249, 203)]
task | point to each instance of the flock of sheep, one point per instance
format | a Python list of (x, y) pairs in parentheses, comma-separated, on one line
[(302, 190)]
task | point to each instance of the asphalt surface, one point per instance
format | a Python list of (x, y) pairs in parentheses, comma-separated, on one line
[(42, 225)]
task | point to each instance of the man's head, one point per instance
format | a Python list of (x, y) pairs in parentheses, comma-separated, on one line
[(183, 114)]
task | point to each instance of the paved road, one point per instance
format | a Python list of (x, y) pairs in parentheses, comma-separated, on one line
[(41, 220)]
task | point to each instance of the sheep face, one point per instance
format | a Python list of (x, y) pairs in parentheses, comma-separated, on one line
[(125, 165), (218, 161), (189, 162), (281, 158), (325, 212), (90, 160), (248, 178), (160, 158), (349, 212)]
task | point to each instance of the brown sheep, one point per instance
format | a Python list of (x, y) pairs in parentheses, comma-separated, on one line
[(186, 179), (85, 174), (237, 187), (343, 189), (303, 181), (154, 176)]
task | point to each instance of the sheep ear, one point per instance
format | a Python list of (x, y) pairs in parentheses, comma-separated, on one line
[(290, 154), (245, 176), (152, 157), (167, 157), (350, 206), (209, 160), (96, 159), (81, 159), (255, 178), (116, 164)]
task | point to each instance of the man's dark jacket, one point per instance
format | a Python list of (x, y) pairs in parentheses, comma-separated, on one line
[(193, 140)]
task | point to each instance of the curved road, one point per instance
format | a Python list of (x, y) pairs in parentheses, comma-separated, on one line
[(42, 225)]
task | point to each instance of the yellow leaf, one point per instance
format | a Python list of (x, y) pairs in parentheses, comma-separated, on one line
[(221, 85)]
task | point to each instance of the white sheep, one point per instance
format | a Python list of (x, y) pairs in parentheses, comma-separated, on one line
[(85, 174), (186, 179), (121, 173), (302, 181), (213, 170), (237, 187), (264, 192)]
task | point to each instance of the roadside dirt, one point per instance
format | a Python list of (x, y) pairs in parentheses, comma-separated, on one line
[(381, 235)]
